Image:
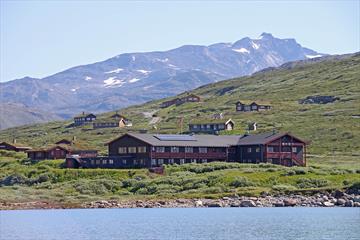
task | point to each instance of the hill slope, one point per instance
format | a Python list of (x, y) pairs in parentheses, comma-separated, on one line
[(14, 114), (332, 128), (134, 78)]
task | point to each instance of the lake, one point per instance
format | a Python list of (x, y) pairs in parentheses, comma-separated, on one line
[(178, 223)]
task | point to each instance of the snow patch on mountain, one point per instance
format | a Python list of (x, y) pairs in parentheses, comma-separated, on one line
[(74, 89), (254, 45), (115, 71), (313, 56), (143, 71), (162, 60), (241, 50), (134, 80), (87, 78), (112, 81)]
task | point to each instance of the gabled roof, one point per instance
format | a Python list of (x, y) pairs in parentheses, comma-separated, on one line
[(16, 145), (85, 115), (263, 138), (199, 140)]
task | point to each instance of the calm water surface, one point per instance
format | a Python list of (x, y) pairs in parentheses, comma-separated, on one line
[(191, 223)]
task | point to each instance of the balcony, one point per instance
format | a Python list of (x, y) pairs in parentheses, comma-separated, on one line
[(209, 155)]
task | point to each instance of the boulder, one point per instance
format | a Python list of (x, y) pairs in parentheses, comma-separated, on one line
[(340, 202), (356, 199), (356, 204), (349, 203), (213, 205), (338, 194), (328, 204), (247, 203), (198, 203), (279, 204), (290, 202)]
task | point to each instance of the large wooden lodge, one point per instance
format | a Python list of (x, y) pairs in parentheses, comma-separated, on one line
[(136, 150)]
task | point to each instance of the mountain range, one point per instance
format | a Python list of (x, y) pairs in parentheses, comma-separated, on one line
[(135, 78)]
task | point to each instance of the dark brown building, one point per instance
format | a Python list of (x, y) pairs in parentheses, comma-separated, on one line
[(135, 150), (13, 147), (84, 118), (59, 151), (211, 126), (179, 101), (242, 107)]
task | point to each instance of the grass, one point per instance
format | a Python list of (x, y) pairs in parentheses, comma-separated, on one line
[(23, 181)]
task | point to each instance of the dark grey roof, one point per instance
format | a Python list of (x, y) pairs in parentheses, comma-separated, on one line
[(200, 140), (262, 138), (207, 140)]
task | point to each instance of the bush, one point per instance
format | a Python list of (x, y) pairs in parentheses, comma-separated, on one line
[(312, 183), (283, 188), (354, 188), (13, 179), (241, 182)]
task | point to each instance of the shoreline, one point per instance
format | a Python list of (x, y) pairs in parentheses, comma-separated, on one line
[(336, 199)]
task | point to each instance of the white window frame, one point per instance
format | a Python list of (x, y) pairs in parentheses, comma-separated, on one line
[(249, 149), (153, 162), (171, 161), (131, 149), (124, 161), (294, 148), (160, 161), (142, 149), (160, 149), (174, 149), (203, 150), (111, 161), (182, 161), (204, 160), (189, 149), (193, 160), (122, 150), (270, 149)]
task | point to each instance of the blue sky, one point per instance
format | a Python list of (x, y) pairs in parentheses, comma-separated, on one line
[(39, 38)]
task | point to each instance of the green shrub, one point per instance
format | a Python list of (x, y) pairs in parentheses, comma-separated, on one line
[(241, 182), (312, 183)]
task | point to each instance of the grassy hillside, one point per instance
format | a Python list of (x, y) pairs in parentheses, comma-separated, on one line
[(333, 129)]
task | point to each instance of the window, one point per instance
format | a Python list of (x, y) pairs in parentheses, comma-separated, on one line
[(194, 126), (204, 160), (174, 149), (122, 150), (270, 149), (132, 149), (160, 149), (38, 154), (193, 160), (294, 149), (182, 161), (202, 150), (249, 150), (189, 149), (141, 161), (153, 162), (160, 161), (257, 149), (97, 162), (111, 161), (171, 161), (208, 126), (104, 161), (141, 149), (92, 162), (124, 161)]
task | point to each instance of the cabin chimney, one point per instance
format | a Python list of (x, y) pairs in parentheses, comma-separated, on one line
[(74, 138)]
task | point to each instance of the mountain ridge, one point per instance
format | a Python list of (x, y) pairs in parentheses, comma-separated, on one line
[(133, 78)]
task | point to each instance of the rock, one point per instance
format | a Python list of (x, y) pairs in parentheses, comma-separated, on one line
[(356, 204), (318, 100), (226, 198), (356, 199), (235, 204), (340, 202), (198, 203), (290, 202), (328, 204), (247, 203), (162, 202), (349, 203), (212, 205), (325, 198), (338, 194), (279, 204)]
